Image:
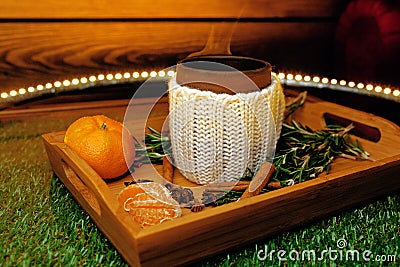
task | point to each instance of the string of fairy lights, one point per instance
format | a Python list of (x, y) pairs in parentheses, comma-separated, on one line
[(290, 79), (298, 80)]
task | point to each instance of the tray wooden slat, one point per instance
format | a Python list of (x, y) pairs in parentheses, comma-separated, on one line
[(196, 235)]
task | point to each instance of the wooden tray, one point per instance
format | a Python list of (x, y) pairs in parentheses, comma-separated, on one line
[(197, 235)]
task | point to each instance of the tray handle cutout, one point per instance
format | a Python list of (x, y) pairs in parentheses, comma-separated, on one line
[(360, 129), (84, 191), (88, 180)]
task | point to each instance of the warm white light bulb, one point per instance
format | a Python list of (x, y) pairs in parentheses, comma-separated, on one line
[(378, 89), (4, 95), (100, 77), (144, 74), (84, 80), (325, 80), (396, 92), (40, 87), (75, 81), (31, 89), (342, 82), (307, 78), (298, 77), (387, 91), (360, 86), (170, 73), (48, 85), (109, 76), (369, 87), (127, 75), (153, 74), (22, 91), (13, 93), (334, 81), (66, 83), (316, 79), (352, 84), (135, 75), (118, 76), (57, 84), (289, 76), (281, 75), (161, 73)]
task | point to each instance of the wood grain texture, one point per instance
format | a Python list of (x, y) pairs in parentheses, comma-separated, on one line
[(196, 235), (168, 9), (46, 41), (35, 53)]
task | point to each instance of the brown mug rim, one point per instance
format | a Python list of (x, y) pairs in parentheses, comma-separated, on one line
[(260, 74)]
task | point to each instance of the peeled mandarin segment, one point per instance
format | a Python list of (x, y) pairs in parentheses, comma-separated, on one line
[(159, 192), (149, 203)]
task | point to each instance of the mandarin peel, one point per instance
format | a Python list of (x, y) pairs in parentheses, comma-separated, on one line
[(105, 144)]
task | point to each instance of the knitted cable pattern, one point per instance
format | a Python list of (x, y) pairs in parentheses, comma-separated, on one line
[(218, 137)]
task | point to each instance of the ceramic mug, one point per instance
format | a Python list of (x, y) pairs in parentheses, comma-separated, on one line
[(225, 116)]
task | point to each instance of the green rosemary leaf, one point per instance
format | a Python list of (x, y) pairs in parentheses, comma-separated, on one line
[(294, 104), (154, 130)]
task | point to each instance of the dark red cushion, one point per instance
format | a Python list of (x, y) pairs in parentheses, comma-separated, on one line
[(367, 41)]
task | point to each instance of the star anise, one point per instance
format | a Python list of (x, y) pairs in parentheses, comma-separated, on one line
[(180, 194), (210, 198)]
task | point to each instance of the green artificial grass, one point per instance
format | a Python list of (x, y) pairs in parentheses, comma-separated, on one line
[(42, 225)]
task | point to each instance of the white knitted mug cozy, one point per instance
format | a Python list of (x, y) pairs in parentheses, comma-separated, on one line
[(219, 137)]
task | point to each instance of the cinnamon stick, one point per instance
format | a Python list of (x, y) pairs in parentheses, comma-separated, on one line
[(233, 183), (168, 170), (240, 187), (259, 180), (237, 186)]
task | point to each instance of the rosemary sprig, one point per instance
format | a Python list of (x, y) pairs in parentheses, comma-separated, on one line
[(303, 153), (294, 104), (156, 147)]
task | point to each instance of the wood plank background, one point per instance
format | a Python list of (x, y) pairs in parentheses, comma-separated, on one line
[(48, 40), (157, 9)]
